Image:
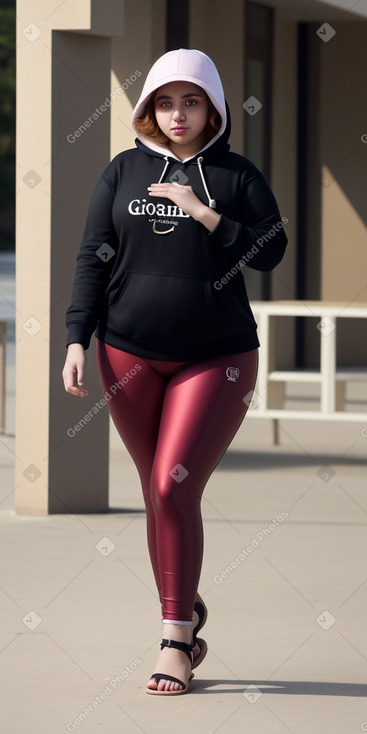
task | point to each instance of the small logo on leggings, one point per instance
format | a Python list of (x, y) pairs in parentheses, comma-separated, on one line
[(232, 373), (178, 473)]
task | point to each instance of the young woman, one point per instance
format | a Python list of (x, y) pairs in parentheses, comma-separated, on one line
[(159, 279)]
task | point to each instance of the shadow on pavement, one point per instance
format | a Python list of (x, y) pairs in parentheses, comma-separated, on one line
[(263, 460), (296, 688)]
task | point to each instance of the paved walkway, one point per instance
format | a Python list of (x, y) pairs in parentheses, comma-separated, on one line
[(284, 578)]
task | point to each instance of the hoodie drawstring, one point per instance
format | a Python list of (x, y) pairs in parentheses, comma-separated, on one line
[(164, 170), (211, 202)]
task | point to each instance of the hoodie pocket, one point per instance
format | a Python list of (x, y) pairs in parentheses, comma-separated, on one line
[(154, 308), (229, 300), (115, 295)]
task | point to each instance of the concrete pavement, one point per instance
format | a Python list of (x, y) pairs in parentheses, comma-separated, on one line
[(284, 578)]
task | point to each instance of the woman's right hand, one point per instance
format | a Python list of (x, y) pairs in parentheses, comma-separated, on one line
[(73, 372)]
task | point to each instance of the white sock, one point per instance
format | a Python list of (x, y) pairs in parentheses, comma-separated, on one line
[(174, 621)]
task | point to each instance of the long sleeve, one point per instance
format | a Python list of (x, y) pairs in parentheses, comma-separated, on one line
[(95, 261), (258, 240)]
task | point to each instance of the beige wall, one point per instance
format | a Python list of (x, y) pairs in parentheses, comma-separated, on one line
[(337, 183), (344, 235), (134, 52), (343, 105), (220, 34)]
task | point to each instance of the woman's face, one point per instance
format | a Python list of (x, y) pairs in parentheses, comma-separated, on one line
[(181, 111)]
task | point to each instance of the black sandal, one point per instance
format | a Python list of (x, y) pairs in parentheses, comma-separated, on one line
[(202, 612), (185, 647)]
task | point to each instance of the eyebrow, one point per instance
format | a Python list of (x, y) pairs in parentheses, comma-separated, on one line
[(191, 94)]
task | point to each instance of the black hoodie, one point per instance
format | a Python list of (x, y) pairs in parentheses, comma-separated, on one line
[(153, 281)]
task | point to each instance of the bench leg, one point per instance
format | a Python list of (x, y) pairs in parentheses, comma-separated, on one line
[(340, 389), (275, 431)]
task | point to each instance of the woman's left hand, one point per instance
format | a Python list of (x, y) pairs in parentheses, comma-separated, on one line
[(182, 196)]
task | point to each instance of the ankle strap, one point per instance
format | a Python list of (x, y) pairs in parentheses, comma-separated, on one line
[(183, 646)]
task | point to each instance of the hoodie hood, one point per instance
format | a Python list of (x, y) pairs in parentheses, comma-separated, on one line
[(183, 65)]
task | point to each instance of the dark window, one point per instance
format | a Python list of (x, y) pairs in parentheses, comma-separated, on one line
[(177, 24)]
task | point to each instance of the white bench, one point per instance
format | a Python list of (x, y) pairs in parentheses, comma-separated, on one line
[(270, 386)]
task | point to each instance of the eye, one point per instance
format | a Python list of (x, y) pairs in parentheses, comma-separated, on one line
[(191, 102)]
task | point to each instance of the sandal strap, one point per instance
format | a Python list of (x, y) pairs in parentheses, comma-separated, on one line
[(202, 612), (183, 646), (165, 676)]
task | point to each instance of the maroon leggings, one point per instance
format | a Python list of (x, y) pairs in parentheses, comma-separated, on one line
[(176, 420)]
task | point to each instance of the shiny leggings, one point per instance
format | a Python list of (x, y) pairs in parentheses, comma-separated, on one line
[(176, 420)]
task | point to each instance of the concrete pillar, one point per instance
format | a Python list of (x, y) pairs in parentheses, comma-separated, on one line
[(63, 75)]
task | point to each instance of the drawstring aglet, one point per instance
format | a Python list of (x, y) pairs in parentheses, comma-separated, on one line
[(211, 202)]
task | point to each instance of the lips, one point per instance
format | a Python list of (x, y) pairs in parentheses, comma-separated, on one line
[(178, 129)]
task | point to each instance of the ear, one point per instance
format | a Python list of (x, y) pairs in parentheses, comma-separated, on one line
[(215, 118)]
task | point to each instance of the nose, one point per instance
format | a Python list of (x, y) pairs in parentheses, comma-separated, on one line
[(178, 114)]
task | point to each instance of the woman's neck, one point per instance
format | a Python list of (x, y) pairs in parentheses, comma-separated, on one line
[(188, 151)]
